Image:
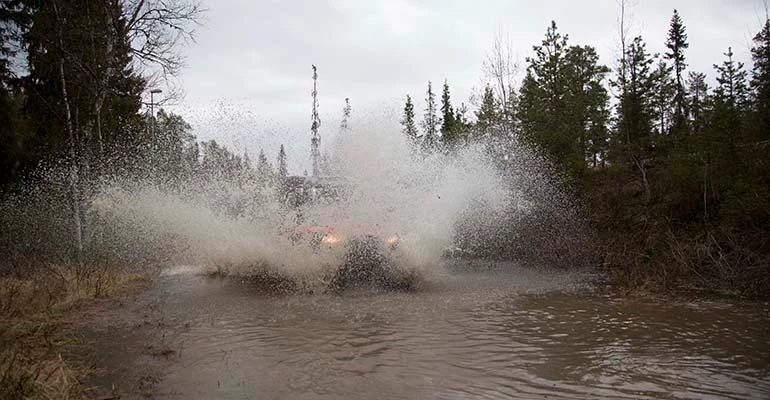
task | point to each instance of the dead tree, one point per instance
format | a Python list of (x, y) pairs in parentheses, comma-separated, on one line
[(501, 68), (156, 31)]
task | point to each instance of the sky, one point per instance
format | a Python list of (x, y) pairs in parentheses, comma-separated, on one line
[(248, 76)]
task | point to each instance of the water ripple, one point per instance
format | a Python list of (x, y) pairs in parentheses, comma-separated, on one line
[(472, 345)]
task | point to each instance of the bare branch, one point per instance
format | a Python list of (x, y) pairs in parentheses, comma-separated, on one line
[(501, 68), (156, 30)]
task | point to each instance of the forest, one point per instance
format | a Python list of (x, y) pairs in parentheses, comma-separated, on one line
[(671, 173)]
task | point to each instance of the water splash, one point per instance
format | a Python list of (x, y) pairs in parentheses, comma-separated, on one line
[(481, 193)]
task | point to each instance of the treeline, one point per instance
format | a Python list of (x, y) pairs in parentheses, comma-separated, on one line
[(176, 159), (675, 174), (74, 78)]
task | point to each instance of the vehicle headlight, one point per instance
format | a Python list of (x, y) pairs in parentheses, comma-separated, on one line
[(332, 240), (393, 241)]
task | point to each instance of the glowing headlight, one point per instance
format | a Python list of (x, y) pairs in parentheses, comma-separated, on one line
[(393, 240), (331, 240)]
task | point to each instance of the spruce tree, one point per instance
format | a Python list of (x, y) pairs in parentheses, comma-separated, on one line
[(448, 128), (462, 125), (760, 80), (588, 105), (430, 120), (635, 112), (407, 121), (172, 140), (664, 111), (265, 172), (563, 102), (676, 43), (730, 100), (283, 170), (487, 115), (103, 91), (543, 98), (631, 144)]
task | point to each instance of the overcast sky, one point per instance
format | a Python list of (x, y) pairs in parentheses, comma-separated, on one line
[(248, 76)]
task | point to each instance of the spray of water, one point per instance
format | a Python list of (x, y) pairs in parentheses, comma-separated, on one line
[(478, 196)]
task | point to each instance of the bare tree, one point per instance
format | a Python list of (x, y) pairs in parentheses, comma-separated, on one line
[(155, 29), (501, 69)]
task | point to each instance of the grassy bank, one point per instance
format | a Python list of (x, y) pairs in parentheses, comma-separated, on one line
[(36, 304)]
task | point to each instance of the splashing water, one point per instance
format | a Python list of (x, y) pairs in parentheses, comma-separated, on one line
[(420, 197)]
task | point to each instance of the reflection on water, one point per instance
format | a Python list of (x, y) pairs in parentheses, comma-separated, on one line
[(480, 335)]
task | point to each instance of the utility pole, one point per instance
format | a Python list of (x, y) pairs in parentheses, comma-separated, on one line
[(315, 139)]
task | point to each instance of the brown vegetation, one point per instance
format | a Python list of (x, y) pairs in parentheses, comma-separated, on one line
[(646, 249), (36, 304)]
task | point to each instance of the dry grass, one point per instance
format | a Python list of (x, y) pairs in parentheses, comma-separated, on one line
[(35, 305), (659, 260)]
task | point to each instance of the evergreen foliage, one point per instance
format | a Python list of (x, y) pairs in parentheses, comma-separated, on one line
[(563, 103), (676, 43), (409, 128), (449, 123), (430, 123)]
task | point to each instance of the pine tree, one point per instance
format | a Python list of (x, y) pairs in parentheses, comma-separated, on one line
[(172, 141), (596, 139), (731, 83), (563, 103), (730, 99), (430, 120), (676, 45), (265, 172), (462, 125), (542, 108), (760, 80), (407, 121), (588, 100), (283, 170), (487, 116), (664, 111), (448, 124), (103, 90), (631, 143), (635, 111)]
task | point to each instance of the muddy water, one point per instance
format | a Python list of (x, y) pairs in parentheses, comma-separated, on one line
[(481, 332)]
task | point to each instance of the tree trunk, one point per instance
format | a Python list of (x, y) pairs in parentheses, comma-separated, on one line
[(98, 116), (646, 184), (74, 164)]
